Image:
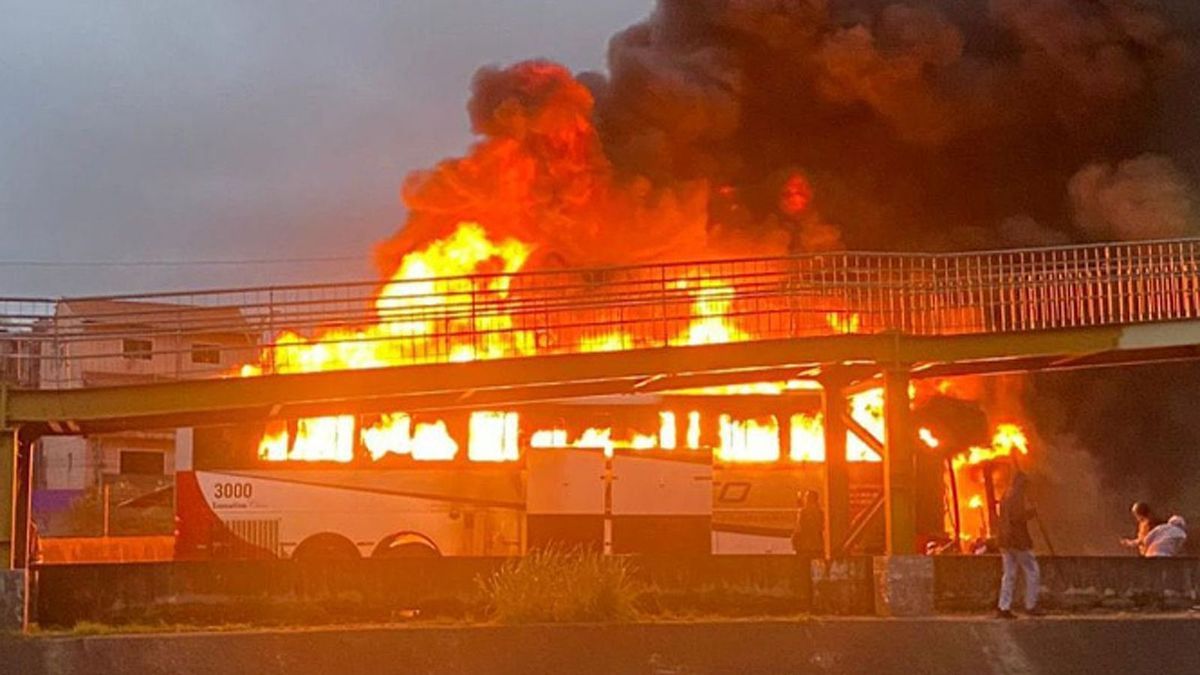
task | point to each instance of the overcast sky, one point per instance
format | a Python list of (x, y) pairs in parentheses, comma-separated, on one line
[(134, 131)]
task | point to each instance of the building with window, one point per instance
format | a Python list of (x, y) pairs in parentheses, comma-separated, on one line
[(98, 342), (17, 367)]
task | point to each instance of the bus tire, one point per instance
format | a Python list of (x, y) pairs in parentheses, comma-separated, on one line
[(326, 546), (406, 545)]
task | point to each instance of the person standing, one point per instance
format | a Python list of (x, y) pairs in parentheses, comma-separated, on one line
[(1016, 549), (808, 538)]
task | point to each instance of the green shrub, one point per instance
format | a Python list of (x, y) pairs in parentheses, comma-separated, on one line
[(554, 585)]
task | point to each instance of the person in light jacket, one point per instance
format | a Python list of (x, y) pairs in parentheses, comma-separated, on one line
[(1167, 540)]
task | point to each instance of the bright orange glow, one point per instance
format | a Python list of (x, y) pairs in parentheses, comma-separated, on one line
[(493, 437), (548, 438), (867, 409), (693, 430), (754, 388), (928, 438), (470, 269), (976, 502), (395, 434), (392, 434), (594, 437), (442, 302), (608, 342), (643, 442), (843, 323), (405, 302), (808, 438), (1007, 439), (750, 440), (318, 439), (666, 430), (711, 305), (405, 308)]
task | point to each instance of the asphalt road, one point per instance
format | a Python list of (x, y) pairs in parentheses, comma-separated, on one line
[(1158, 645)]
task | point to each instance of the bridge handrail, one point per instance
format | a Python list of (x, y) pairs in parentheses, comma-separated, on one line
[(208, 333)]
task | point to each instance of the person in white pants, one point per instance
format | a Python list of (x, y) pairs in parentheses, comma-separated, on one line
[(1016, 550)]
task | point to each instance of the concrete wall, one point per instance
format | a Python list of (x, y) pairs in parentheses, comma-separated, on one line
[(12, 598), (880, 647), (277, 592), (971, 583), (286, 592)]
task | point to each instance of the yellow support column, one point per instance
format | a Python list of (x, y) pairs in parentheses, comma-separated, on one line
[(9, 489), (899, 467), (13, 515), (834, 410)]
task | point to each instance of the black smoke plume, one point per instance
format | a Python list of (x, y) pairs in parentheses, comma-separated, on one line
[(921, 125)]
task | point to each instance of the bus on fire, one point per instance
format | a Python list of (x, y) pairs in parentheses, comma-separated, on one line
[(694, 474)]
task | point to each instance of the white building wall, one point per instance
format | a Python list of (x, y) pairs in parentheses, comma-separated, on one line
[(66, 463)]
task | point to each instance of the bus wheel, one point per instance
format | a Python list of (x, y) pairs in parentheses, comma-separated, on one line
[(406, 545), (326, 546)]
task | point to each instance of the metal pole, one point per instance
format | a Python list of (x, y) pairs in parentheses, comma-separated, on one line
[(989, 489), (105, 492), (954, 503), (15, 470), (9, 491)]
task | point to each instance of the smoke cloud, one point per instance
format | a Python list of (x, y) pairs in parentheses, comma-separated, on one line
[(1143, 198)]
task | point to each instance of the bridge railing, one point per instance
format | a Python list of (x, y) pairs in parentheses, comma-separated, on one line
[(94, 341)]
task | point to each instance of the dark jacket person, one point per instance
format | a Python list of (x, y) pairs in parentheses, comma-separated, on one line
[(1016, 548), (808, 539)]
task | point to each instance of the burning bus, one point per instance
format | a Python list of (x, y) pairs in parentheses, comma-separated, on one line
[(682, 473), (697, 472)]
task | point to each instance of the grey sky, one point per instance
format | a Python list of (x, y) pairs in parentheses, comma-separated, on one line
[(218, 130)]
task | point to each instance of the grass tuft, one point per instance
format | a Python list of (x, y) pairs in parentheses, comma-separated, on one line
[(556, 585)]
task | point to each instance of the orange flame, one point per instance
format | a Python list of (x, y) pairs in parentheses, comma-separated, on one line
[(396, 434), (808, 438), (750, 440), (403, 311), (1009, 438)]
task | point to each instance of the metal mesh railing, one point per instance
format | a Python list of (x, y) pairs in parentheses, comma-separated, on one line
[(93, 341)]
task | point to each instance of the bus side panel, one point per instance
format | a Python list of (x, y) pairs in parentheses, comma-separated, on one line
[(661, 502), (460, 512), (754, 506), (565, 497), (201, 534), (194, 521)]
